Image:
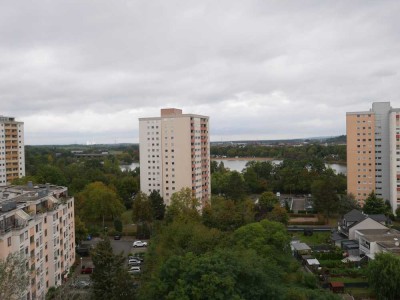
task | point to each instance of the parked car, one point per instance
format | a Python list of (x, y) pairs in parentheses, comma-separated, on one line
[(134, 262), (87, 270), (139, 244), (141, 259), (117, 237), (134, 270)]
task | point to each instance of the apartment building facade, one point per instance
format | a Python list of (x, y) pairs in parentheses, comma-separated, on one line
[(38, 222), (175, 154), (12, 155), (373, 153)]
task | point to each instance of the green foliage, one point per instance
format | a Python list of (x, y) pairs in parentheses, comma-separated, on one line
[(187, 260), (13, 276), (81, 232), (227, 215), (374, 205), (111, 279), (325, 197), (384, 276), (97, 202), (157, 205), (347, 203), (330, 153), (118, 225), (267, 201), (141, 209), (183, 205), (234, 186), (278, 214)]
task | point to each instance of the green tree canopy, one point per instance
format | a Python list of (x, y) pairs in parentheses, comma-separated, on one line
[(157, 205), (384, 276), (325, 196), (141, 209), (111, 279), (374, 205), (97, 201), (183, 204)]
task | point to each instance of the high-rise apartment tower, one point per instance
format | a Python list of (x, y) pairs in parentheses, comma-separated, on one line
[(373, 153), (175, 154), (12, 155)]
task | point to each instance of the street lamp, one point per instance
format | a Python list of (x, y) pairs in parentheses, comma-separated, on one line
[(81, 262)]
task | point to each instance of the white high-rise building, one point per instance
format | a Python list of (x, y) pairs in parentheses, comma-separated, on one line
[(175, 154), (12, 152)]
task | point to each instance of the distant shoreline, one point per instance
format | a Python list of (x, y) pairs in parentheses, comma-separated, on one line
[(267, 159), (245, 158)]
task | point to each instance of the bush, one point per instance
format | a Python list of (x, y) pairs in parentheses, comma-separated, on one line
[(302, 215), (306, 223)]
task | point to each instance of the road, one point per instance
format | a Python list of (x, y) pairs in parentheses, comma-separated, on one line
[(298, 204)]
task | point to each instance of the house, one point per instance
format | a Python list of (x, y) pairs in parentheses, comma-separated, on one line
[(373, 241), (356, 219), (299, 249)]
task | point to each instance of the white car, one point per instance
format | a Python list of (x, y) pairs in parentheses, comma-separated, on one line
[(134, 262), (134, 270), (139, 244)]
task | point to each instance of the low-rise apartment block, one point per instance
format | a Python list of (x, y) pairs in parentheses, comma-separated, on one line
[(38, 222)]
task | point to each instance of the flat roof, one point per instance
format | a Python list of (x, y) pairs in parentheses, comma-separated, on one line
[(300, 246), (379, 235), (313, 261)]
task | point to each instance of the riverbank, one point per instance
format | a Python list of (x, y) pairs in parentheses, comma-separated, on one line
[(244, 158), (339, 162)]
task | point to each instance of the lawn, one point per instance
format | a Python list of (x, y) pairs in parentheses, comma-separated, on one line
[(317, 238), (360, 293)]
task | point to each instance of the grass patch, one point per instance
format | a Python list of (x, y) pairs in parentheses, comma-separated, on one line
[(360, 293), (317, 238), (349, 279)]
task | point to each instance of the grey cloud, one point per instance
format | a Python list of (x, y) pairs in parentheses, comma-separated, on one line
[(63, 58)]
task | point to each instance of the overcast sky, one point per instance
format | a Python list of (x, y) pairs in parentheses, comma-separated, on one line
[(78, 71)]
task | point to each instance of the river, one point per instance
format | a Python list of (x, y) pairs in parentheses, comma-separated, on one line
[(239, 165)]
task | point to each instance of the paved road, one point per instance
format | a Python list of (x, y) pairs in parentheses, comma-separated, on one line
[(298, 204)]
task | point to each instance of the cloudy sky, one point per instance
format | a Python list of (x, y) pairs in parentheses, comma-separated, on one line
[(78, 71)]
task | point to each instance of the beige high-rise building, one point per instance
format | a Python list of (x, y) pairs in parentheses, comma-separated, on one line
[(38, 222), (373, 153), (175, 154), (12, 155)]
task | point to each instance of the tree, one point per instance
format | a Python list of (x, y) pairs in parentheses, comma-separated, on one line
[(118, 225), (347, 203), (324, 196), (235, 186), (374, 205), (278, 214), (267, 201), (227, 215), (99, 201), (14, 278), (183, 204), (142, 215), (157, 205), (141, 209), (81, 231), (111, 279), (384, 276)]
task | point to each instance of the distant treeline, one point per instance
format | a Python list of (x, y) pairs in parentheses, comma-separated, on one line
[(332, 152)]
